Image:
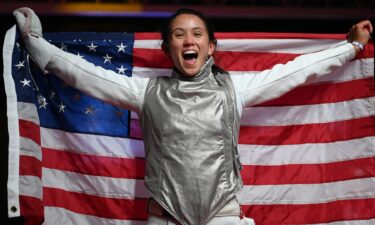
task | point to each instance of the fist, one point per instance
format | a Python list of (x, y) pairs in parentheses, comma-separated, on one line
[(28, 22), (360, 32)]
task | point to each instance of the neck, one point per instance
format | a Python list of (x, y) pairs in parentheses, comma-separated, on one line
[(205, 71)]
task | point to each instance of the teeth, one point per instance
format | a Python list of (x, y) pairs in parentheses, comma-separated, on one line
[(190, 52)]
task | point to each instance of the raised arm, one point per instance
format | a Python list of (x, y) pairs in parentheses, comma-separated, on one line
[(272, 83), (96, 81)]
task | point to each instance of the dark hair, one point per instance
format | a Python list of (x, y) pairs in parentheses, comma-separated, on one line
[(165, 31)]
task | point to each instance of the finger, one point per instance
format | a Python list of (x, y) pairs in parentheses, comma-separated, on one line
[(23, 11), (371, 28), (19, 17), (365, 24)]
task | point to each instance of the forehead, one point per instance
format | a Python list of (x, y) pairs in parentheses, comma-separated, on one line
[(187, 21)]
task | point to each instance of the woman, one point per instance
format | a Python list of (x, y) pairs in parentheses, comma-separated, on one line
[(190, 120)]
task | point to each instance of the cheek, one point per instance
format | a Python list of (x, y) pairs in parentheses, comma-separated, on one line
[(173, 48), (206, 47)]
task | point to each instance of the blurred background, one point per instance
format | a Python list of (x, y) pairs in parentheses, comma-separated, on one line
[(307, 16)]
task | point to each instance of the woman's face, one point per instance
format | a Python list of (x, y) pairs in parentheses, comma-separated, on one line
[(189, 45)]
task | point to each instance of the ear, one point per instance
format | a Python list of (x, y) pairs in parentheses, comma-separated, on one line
[(211, 48)]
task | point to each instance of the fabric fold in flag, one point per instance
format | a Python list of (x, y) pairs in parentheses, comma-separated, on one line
[(309, 155)]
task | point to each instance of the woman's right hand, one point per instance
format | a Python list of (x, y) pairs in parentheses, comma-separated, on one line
[(28, 22), (360, 32)]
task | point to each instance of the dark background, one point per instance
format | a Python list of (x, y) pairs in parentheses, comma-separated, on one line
[(330, 20)]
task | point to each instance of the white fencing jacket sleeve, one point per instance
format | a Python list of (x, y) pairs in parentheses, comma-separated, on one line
[(128, 92), (272, 83), (106, 85)]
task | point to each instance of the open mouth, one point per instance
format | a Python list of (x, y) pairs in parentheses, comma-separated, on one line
[(190, 56)]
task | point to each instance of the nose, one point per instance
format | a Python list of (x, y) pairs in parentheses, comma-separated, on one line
[(189, 40)]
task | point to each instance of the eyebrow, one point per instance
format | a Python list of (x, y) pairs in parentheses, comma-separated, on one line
[(194, 28)]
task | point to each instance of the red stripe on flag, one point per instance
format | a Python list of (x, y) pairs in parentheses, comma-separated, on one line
[(368, 51), (308, 173), (355, 209), (29, 130), (308, 133), (147, 36), (116, 208), (151, 58), (250, 61), (32, 210), (30, 166), (94, 165), (328, 93)]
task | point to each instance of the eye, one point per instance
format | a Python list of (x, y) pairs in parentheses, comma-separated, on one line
[(178, 35), (197, 34)]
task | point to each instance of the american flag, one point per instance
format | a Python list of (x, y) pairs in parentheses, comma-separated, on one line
[(309, 155)]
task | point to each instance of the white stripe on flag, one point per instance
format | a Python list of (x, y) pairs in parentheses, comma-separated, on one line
[(61, 216), (348, 72), (307, 153), (29, 148), (28, 112), (308, 114), (351, 222), (307, 193), (92, 144), (31, 186), (94, 185)]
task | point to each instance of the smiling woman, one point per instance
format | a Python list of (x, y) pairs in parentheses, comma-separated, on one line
[(189, 40), (190, 120)]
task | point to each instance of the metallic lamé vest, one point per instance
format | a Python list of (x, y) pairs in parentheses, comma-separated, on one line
[(190, 129)]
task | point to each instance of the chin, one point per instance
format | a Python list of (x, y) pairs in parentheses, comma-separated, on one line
[(190, 73)]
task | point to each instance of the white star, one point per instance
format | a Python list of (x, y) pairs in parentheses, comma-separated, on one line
[(121, 70), (25, 82), (79, 55), (89, 110), (42, 102), (92, 47), (61, 107), (107, 58), (20, 64), (64, 47), (121, 48)]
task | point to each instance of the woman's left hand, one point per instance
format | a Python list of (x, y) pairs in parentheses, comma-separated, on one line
[(360, 33)]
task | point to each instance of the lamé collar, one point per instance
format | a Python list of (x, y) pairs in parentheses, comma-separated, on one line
[(203, 73)]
